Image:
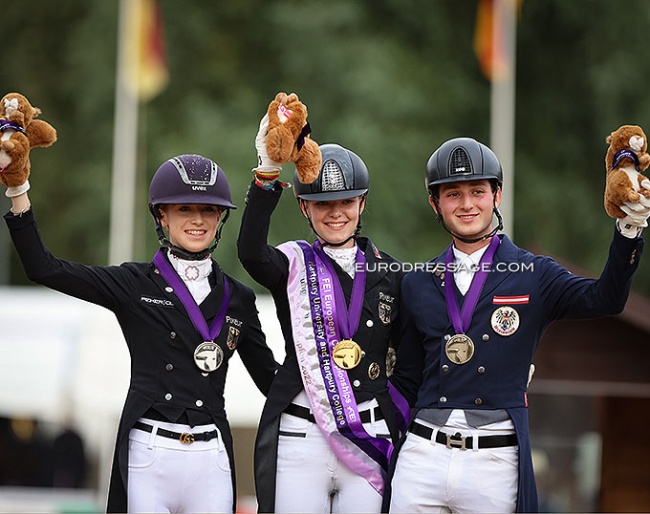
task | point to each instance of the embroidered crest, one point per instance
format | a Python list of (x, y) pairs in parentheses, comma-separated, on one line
[(505, 321), (385, 307), (233, 338), (384, 313)]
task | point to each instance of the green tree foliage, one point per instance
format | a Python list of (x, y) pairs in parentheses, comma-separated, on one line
[(389, 79)]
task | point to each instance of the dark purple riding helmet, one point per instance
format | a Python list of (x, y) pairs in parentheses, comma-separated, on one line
[(190, 179)]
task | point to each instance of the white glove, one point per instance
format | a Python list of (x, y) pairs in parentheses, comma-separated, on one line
[(264, 162), (636, 219)]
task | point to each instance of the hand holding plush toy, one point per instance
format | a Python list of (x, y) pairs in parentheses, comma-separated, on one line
[(627, 191), (20, 132), (283, 136)]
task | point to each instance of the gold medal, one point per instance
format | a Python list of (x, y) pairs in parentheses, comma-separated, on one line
[(208, 356), (459, 348), (347, 354)]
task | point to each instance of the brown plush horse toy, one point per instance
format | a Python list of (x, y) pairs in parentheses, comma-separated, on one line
[(288, 137), (20, 132), (626, 158)]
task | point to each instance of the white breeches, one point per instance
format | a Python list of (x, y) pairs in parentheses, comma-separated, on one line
[(310, 478), (166, 475), (432, 478)]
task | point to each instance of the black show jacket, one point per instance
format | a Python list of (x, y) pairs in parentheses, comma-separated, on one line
[(160, 337), (270, 267)]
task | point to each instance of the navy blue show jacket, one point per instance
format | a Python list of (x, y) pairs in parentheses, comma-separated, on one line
[(496, 376)]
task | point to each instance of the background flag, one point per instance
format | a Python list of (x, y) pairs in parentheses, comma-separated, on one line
[(146, 68), (488, 40)]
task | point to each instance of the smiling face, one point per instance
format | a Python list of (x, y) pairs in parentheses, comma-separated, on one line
[(466, 208), (334, 221), (191, 227)]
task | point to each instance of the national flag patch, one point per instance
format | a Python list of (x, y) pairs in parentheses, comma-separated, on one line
[(511, 300)]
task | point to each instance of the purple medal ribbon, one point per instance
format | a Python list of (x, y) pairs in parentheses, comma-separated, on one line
[(461, 320), (346, 416), (186, 298), (348, 319)]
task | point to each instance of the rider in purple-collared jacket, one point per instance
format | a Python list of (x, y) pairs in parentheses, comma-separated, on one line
[(182, 318)]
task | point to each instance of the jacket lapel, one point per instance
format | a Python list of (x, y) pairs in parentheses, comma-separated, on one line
[(208, 307), (506, 253)]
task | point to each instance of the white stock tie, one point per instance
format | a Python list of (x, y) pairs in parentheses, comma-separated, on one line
[(464, 275)]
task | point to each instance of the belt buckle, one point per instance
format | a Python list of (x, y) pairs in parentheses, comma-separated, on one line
[(457, 442), (186, 438)]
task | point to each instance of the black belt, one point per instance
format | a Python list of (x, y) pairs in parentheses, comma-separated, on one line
[(304, 413), (184, 437), (458, 441)]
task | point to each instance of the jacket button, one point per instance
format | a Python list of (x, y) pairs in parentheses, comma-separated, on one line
[(199, 403), (172, 335), (169, 367), (169, 289), (445, 368), (443, 399), (478, 401), (447, 337), (168, 396), (486, 337), (481, 370), (356, 383), (369, 323)]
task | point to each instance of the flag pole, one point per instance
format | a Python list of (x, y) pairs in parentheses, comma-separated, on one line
[(502, 113), (125, 139)]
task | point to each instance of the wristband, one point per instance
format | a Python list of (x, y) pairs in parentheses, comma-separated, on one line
[(266, 176), (17, 190)]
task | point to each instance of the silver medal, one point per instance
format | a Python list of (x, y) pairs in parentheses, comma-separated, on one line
[(208, 356)]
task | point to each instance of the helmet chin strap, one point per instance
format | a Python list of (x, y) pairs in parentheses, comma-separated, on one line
[(476, 239), (499, 227), (184, 254)]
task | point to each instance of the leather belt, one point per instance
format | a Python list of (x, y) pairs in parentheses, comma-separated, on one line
[(183, 437), (304, 413), (464, 443)]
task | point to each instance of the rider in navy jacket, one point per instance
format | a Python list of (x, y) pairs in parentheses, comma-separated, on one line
[(484, 375)]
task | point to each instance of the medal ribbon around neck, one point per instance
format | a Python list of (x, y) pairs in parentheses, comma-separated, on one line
[(347, 318), (461, 320), (320, 271), (183, 293)]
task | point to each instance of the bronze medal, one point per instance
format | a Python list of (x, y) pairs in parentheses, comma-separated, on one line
[(459, 348), (347, 354), (208, 356)]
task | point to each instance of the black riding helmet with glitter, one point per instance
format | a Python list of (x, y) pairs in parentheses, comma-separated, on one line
[(342, 175), (189, 179), (462, 159)]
